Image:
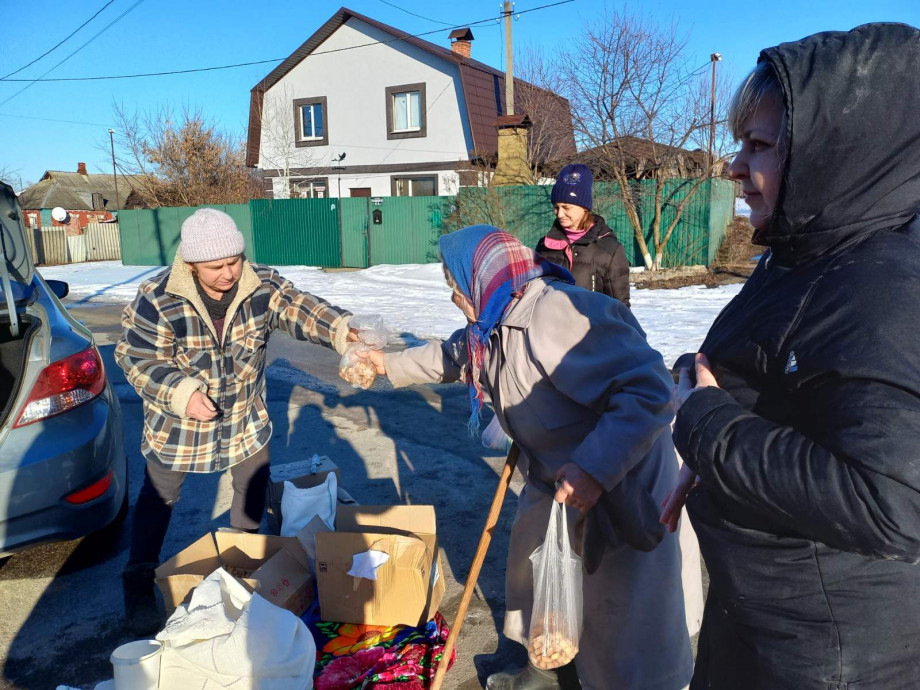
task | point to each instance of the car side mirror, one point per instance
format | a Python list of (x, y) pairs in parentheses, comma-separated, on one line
[(59, 288)]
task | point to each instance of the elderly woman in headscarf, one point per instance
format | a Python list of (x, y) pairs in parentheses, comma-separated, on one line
[(575, 384)]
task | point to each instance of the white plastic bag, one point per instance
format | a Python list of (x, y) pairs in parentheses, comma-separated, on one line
[(299, 506), (228, 638), (372, 335), (556, 620)]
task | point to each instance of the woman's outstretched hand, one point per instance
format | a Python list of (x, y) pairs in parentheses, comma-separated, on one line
[(376, 358), (578, 489)]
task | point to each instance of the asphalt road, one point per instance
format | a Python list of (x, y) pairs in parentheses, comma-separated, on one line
[(60, 604)]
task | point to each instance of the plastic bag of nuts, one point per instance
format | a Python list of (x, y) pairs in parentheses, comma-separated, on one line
[(551, 651), (372, 335), (556, 620), (359, 372)]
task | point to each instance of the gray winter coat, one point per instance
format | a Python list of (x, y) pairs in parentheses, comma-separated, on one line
[(572, 378)]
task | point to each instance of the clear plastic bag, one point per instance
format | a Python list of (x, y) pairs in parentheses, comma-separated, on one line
[(556, 620), (495, 437), (372, 335)]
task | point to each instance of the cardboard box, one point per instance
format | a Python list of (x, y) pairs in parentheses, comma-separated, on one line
[(275, 567), (286, 581), (303, 474), (409, 586)]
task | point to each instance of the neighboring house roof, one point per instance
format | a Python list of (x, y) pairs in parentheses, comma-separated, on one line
[(646, 156), (483, 88), (74, 191)]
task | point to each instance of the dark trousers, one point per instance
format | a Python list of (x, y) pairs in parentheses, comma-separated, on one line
[(162, 488)]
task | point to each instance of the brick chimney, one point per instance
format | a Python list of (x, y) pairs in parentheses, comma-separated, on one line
[(461, 41), (81, 168), (512, 167)]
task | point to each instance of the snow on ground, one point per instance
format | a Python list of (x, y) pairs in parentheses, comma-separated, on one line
[(415, 301), (742, 209)]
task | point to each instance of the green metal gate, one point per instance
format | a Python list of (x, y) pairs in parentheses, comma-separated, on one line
[(393, 230), (296, 232), (355, 219)]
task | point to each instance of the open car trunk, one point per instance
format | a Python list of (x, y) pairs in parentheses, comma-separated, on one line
[(13, 353), (17, 326)]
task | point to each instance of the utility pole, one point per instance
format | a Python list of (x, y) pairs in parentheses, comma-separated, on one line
[(114, 174), (715, 57), (509, 62)]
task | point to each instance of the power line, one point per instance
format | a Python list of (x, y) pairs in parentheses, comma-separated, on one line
[(150, 74), (260, 62), (93, 38), (428, 19), (49, 119), (50, 50)]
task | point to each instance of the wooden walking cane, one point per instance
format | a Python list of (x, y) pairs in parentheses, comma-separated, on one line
[(491, 520)]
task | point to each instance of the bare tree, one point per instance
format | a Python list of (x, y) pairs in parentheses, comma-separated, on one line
[(181, 159), (536, 92), (636, 106), (13, 179)]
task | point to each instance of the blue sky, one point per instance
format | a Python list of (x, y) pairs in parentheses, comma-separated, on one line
[(165, 35)]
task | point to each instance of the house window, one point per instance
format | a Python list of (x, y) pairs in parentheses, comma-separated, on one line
[(311, 122), (315, 188), (406, 111), (415, 186)]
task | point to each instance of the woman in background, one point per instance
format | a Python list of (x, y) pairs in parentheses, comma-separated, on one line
[(581, 241)]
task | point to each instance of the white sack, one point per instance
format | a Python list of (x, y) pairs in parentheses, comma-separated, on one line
[(299, 506), (227, 637)]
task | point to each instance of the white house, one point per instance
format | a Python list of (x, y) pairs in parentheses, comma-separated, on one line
[(364, 109)]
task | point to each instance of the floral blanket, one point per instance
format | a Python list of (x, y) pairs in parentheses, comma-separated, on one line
[(350, 656)]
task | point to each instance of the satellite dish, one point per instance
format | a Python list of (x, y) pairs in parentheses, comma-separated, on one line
[(59, 214)]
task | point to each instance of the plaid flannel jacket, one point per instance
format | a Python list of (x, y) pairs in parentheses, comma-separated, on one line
[(169, 350)]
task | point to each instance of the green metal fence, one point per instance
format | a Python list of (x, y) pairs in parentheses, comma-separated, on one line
[(149, 237), (527, 213), (361, 232)]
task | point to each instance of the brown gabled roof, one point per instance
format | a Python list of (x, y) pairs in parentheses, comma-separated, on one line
[(74, 192), (483, 86), (639, 149)]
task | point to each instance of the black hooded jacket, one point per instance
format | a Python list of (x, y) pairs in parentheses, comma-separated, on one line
[(808, 507), (599, 259)]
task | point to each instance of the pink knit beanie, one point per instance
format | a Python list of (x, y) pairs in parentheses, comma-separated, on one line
[(209, 235)]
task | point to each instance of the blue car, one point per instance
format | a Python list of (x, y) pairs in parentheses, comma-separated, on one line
[(63, 469)]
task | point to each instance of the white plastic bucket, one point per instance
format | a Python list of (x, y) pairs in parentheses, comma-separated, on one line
[(137, 665)]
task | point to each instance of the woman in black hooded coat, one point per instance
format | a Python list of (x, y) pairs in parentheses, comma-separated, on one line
[(804, 426)]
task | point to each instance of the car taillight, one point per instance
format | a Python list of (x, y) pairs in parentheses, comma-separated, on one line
[(64, 385)]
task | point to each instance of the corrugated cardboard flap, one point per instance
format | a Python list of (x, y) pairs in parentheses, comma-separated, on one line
[(200, 557), (386, 519), (247, 551)]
